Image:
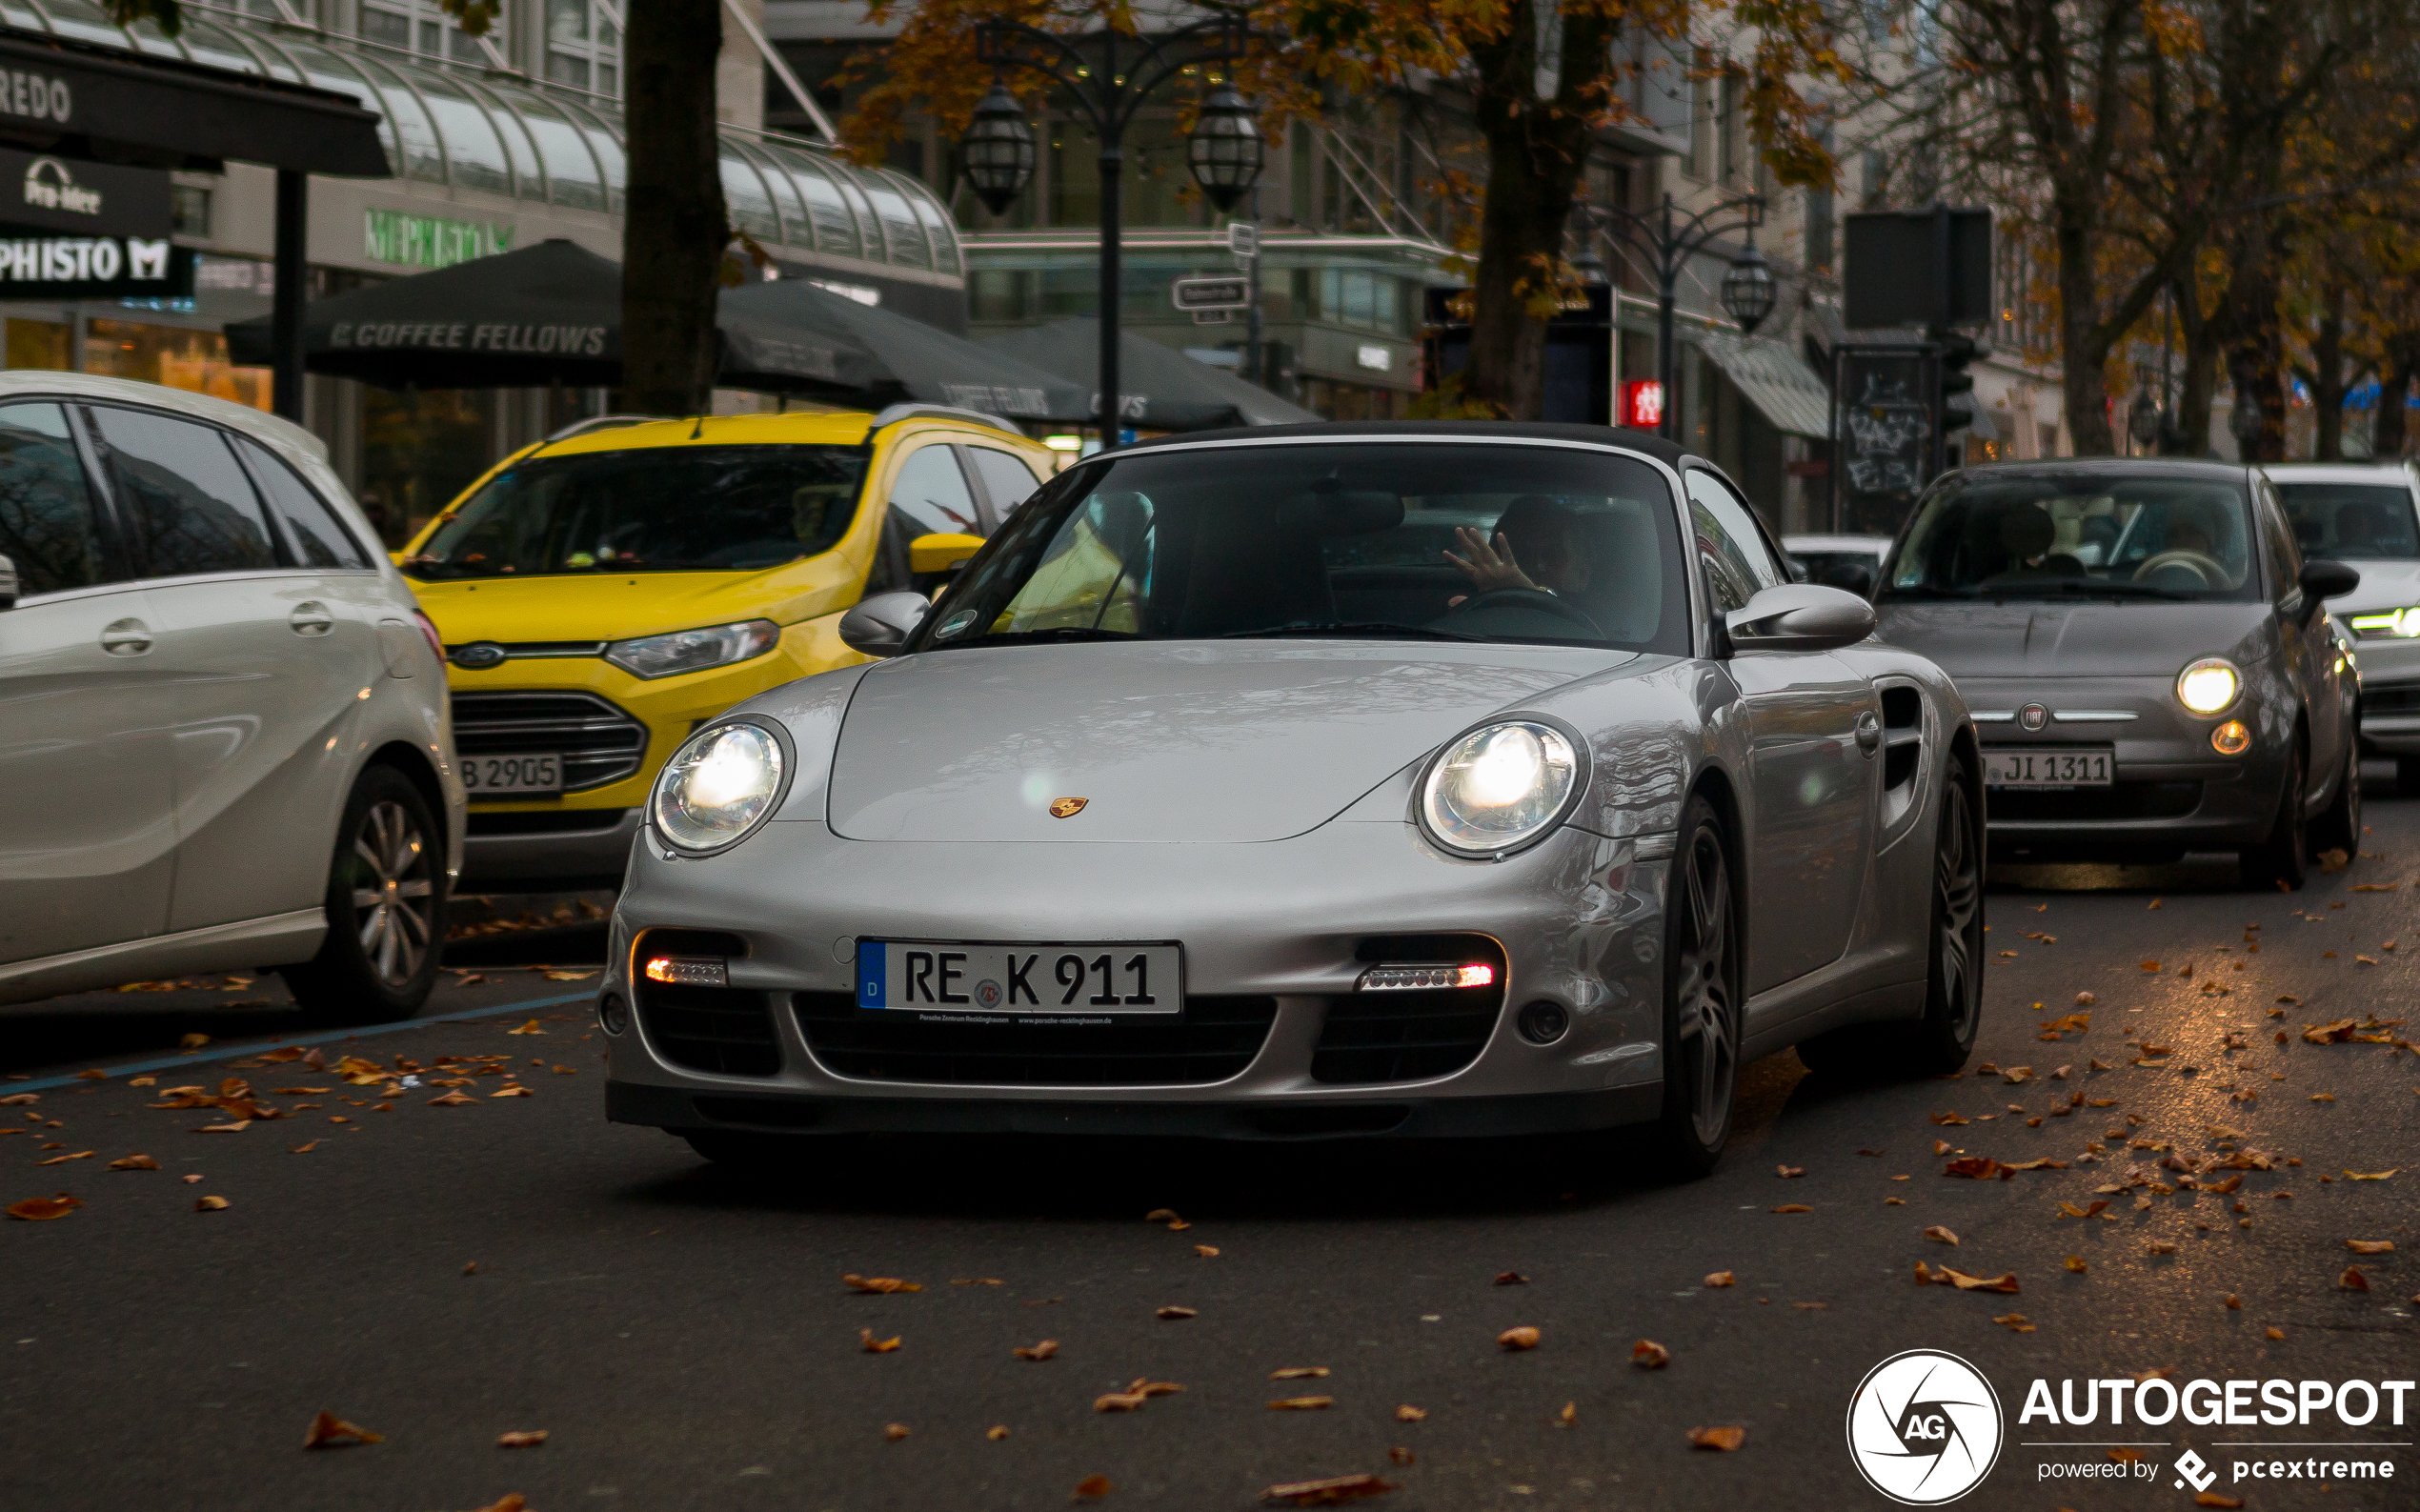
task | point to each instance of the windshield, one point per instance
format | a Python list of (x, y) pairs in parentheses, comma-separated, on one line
[(1389, 540), (656, 509), (2066, 533), (2366, 522)]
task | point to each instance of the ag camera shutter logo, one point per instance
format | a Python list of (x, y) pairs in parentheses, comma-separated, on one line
[(1925, 1427)]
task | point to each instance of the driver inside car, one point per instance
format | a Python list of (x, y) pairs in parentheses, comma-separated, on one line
[(1534, 529)]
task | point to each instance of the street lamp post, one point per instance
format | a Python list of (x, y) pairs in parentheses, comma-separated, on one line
[(1110, 77), (1667, 242)]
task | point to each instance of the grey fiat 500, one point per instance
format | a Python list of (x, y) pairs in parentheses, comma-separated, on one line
[(2146, 651), (1407, 778)]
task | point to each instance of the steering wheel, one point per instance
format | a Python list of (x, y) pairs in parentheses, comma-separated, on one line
[(1534, 599), (2204, 568)]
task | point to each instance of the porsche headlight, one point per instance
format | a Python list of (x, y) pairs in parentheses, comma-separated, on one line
[(2209, 685), (694, 650), (1499, 787), (718, 788)]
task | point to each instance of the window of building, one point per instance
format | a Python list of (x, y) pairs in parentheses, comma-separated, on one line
[(189, 211), (1705, 120), (583, 47), (422, 26), (176, 356)]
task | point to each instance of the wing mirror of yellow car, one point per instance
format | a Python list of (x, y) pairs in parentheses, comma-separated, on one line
[(941, 553)]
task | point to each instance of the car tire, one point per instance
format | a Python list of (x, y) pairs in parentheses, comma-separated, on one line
[(2339, 827), (386, 908), (2283, 859), (1702, 1001), (1940, 1041)]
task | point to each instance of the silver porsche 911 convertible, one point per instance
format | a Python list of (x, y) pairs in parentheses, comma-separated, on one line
[(1337, 780)]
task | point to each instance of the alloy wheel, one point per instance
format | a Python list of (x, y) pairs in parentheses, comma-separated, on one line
[(1957, 905), (1708, 1026), (393, 888)]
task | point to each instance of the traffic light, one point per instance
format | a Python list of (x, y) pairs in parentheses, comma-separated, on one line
[(1957, 384)]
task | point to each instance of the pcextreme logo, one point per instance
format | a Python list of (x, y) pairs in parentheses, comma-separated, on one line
[(1924, 1427)]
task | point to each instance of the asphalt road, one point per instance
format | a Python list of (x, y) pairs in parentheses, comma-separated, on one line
[(444, 1275)]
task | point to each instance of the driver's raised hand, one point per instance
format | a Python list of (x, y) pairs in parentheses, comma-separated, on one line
[(1490, 564)]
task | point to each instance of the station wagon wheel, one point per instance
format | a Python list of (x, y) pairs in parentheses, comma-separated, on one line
[(1702, 1017), (385, 906)]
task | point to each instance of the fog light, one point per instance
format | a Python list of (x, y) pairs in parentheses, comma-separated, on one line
[(2231, 738), (1421, 978), (613, 1015), (1542, 1023), (677, 972)]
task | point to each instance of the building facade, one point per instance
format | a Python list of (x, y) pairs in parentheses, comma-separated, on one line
[(495, 142)]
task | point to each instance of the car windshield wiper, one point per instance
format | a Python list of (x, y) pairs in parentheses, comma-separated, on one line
[(1349, 627)]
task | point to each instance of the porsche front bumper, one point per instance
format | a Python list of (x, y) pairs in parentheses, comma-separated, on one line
[(1579, 920)]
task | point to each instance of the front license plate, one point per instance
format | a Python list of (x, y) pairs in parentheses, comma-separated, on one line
[(2045, 767), (513, 777), (1010, 982)]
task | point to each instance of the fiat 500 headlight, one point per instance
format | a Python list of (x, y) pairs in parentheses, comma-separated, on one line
[(1499, 787), (2209, 685), (719, 786), (682, 650)]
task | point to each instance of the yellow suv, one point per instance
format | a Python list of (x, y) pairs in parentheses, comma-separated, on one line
[(602, 592)]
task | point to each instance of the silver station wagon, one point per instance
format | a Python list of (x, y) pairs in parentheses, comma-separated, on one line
[(2146, 651)]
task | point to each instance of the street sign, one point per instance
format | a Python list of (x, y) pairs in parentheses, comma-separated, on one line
[(1213, 293), (1212, 317), (1243, 238)]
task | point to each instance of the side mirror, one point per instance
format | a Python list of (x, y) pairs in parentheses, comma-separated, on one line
[(880, 625), (942, 552), (1800, 616), (2322, 579), (8, 583)]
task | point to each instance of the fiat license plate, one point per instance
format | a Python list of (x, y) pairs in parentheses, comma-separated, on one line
[(2045, 767), (1007, 983), (513, 777)]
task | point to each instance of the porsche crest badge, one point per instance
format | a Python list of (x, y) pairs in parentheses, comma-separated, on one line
[(1067, 808)]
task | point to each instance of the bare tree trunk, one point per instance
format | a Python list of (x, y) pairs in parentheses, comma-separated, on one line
[(2393, 437), (2190, 435), (1536, 153), (2255, 338), (2328, 377), (674, 226), (2083, 352)]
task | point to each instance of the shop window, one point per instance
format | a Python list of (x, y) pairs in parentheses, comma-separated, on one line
[(419, 450), (39, 344), (583, 47), (174, 355)]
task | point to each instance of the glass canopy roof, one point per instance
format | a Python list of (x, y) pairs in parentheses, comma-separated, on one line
[(505, 134)]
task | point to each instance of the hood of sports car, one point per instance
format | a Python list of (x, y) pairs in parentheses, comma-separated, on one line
[(2134, 638), (1168, 741)]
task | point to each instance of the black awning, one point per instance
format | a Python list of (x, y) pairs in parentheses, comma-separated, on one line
[(540, 316), (907, 359), (1161, 387), (110, 105)]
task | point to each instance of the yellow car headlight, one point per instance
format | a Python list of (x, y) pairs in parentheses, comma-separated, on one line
[(2209, 685)]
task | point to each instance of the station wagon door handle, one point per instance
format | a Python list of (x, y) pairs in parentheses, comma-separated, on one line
[(1869, 731), (126, 638), (311, 617)]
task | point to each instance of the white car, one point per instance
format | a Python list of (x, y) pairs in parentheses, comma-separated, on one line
[(224, 736), (2368, 514)]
